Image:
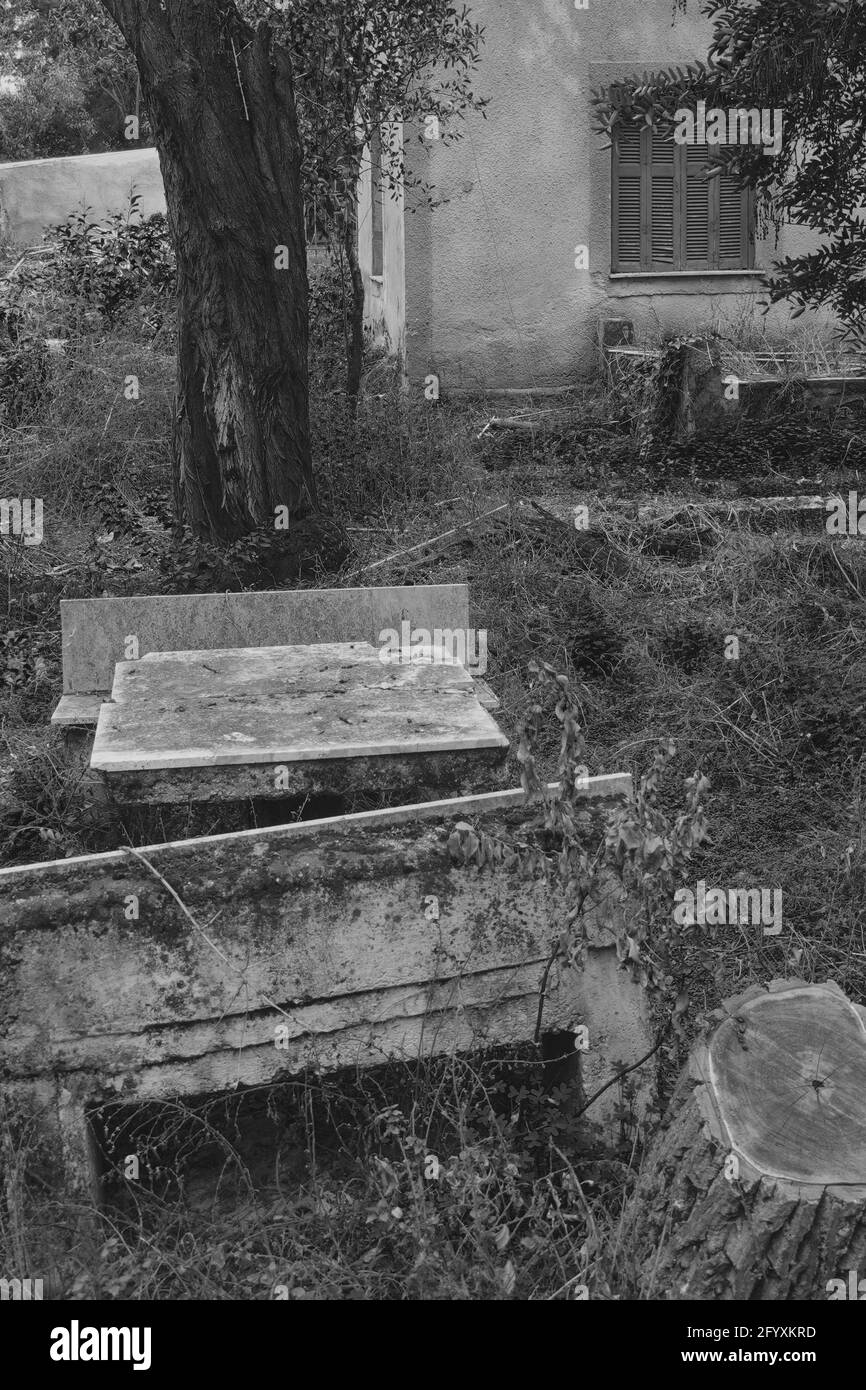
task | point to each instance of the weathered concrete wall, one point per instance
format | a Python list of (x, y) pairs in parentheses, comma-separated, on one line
[(492, 294), (36, 193), (337, 942)]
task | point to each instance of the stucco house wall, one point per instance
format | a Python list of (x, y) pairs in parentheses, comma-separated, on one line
[(491, 293), (35, 193)]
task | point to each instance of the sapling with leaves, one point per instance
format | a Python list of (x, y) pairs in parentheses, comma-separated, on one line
[(638, 859), (372, 74)]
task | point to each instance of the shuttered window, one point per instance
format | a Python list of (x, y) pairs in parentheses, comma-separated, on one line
[(668, 214)]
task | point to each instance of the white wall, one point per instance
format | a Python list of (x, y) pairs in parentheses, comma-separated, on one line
[(35, 193)]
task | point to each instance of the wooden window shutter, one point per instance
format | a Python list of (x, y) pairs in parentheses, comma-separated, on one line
[(628, 195), (669, 214), (734, 246), (664, 223), (697, 234)]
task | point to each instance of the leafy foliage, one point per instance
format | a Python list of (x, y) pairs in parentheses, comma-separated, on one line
[(46, 116), (364, 63), (365, 68), (767, 455), (112, 264), (637, 862), (75, 80), (262, 559)]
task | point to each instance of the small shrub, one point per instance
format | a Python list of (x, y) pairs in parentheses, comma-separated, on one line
[(113, 264)]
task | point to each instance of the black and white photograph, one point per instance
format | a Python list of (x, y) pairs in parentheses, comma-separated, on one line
[(432, 672)]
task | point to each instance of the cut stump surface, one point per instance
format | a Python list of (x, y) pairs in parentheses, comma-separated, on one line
[(755, 1185)]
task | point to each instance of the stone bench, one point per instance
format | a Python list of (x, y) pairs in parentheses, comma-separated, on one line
[(98, 633)]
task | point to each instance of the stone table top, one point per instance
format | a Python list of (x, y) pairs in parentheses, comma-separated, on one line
[(258, 707)]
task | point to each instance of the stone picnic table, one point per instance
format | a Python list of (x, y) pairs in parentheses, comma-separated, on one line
[(277, 722)]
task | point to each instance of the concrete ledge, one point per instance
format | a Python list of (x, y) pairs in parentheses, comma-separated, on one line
[(609, 787), (78, 711), (824, 391), (323, 944)]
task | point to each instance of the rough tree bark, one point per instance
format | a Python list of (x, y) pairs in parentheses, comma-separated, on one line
[(221, 102), (355, 345), (755, 1187)]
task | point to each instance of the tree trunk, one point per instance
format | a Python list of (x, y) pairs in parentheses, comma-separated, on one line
[(355, 345), (755, 1188), (221, 102)]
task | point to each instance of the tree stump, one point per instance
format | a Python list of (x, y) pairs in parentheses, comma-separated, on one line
[(702, 402), (755, 1187)]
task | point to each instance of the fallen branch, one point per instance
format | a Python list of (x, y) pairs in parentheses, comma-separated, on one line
[(438, 543)]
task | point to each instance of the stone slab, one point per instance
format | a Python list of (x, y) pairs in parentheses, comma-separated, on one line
[(487, 696), (77, 711), (301, 704), (82, 711), (306, 914), (328, 669), (142, 735), (95, 631)]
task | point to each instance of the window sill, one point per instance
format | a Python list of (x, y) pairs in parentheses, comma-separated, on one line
[(682, 274), (377, 279)]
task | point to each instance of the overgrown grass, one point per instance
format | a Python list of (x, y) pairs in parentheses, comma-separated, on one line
[(640, 617), (451, 1178)]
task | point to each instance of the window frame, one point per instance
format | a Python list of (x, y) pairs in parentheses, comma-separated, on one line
[(682, 168)]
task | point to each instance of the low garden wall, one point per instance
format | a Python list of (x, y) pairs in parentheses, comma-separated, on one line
[(36, 193)]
